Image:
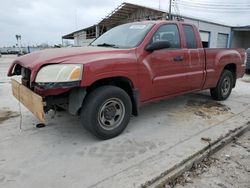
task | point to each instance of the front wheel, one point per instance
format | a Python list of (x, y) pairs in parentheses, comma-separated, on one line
[(224, 86), (106, 111)]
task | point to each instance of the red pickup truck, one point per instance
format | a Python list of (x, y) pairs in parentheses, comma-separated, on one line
[(130, 65)]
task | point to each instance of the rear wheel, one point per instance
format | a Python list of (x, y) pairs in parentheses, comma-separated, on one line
[(247, 71), (106, 111), (224, 86)]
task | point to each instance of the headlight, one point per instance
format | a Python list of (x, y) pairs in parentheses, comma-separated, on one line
[(59, 73)]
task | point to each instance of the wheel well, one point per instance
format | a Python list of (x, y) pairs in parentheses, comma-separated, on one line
[(121, 82), (231, 67)]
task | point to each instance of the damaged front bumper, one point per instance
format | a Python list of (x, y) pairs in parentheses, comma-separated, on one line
[(32, 101)]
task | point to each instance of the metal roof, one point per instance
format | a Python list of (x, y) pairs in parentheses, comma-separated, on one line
[(242, 28), (122, 15), (71, 35), (118, 15), (123, 11)]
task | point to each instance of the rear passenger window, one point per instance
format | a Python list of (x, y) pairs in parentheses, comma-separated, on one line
[(170, 33), (190, 36)]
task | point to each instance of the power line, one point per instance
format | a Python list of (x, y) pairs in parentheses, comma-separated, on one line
[(213, 9), (176, 8), (217, 8), (216, 3)]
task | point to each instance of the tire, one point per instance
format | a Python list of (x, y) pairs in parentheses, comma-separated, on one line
[(247, 71), (224, 86), (106, 112)]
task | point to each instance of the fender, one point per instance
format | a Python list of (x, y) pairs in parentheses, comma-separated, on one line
[(91, 76), (216, 61)]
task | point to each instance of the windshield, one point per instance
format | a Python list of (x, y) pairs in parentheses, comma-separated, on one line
[(124, 36)]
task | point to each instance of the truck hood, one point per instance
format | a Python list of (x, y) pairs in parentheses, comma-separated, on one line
[(61, 55), (82, 55)]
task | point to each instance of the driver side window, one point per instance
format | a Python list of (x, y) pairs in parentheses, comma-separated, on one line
[(169, 33)]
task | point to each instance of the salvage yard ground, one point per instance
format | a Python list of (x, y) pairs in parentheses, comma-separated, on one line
[(229, 168), (63, 154)]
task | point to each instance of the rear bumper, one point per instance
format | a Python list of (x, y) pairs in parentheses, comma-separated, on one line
[(32, 101)]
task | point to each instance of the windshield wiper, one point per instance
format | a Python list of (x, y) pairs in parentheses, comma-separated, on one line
[(107, 45)]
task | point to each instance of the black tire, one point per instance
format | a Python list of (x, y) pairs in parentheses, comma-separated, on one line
[(103, 107), (224, 86), (247, 71)]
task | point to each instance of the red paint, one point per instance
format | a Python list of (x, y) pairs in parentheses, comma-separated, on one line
[(50, 92), (155, 74)]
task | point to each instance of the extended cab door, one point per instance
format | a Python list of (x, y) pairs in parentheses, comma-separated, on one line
[(168, 66), (196, 61)]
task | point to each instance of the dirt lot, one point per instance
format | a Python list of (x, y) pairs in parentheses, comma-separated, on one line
[(228, 168), (63, 154)]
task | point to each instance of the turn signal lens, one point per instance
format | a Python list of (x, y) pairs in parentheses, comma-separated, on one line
[(75, 74)]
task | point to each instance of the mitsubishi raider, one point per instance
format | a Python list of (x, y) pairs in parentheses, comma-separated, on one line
[(128, 66)]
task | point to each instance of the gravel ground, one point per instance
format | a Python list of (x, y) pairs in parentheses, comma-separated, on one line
[(228, 168)]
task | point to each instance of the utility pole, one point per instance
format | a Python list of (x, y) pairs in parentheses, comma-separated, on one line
[(169, 12)]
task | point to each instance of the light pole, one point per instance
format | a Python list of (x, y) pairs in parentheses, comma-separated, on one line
[(18, 39)]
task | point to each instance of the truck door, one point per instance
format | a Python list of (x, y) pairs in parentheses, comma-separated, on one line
[(196, 62), (169, 66)]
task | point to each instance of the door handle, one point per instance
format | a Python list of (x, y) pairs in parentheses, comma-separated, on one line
[(178, 58)]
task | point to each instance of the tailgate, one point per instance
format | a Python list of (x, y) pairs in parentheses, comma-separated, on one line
[(29, 99)]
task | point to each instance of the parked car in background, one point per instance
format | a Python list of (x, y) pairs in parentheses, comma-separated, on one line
[(248, 61), (128, 66)]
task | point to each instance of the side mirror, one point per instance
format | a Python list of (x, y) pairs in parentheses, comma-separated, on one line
[(158, 45)]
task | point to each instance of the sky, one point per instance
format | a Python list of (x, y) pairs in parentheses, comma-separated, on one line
[(46, 21)]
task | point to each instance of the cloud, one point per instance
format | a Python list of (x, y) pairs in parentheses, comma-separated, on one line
[(41, 21), (46, 21)]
